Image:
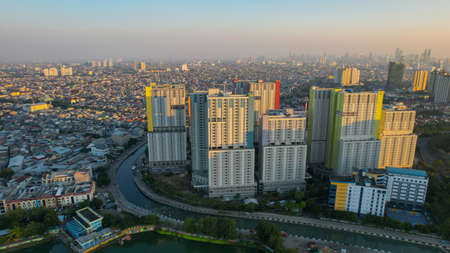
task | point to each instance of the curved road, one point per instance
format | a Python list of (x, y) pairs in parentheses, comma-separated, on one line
[(126, 205)]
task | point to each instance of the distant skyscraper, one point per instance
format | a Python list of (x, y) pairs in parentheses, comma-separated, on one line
[(395, 75), (142, 66), (354, 121), (398, 143), (420, 80), (221, 134), (166, 120), (398, 55), (184, 67), (318, 110), (50, 72), (347, 76), (266, 96), (282, 150), (441, 88), (66, 71)]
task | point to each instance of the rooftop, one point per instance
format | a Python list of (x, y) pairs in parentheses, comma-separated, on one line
[(88, 214), (409, 172)]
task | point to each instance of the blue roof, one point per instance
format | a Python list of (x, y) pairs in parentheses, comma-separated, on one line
[(410, 172)]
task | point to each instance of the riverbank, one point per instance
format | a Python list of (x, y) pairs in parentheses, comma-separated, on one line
[(136, 230), (323, 223)]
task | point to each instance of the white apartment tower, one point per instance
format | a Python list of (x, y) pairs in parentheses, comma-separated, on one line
[(282, 150), (221, 134)]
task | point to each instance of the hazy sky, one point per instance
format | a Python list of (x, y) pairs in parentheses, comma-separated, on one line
[(88, 29)]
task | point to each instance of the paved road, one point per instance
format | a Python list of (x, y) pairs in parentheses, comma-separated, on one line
[(325, 223)]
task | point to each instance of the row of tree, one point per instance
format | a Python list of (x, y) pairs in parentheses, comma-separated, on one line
[(24, 223), (218, 227)]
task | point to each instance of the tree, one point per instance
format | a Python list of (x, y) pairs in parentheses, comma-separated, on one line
[(190, 225), (299, 196), (151, 219), (103, 179), (208, 226), (226, 228), (6, 173), (269, 234)]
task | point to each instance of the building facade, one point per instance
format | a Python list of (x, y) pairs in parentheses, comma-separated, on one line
[(420, 80), (166, 123), (395, 75), (266, 96), (282, 151), (318, 113), (398, 142), (357, 194), (407, 188), (354, 122), (347, 76), (222, 137), (441, 88)]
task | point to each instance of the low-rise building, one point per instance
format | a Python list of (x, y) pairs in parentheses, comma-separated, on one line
[(407, 188), (359, 194), (29, 192)]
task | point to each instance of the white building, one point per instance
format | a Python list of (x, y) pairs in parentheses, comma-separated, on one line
[(358, 194), (221, 134), (358, 154), (282, 151), (407, 188)]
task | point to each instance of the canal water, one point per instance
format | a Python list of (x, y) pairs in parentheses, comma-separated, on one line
[(148, 242), (131, 193)]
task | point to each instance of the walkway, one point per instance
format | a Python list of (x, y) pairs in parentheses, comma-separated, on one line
[(324, 223)]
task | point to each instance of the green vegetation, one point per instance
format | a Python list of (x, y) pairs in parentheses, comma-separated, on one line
[(440, 142), (218, 227), (432, 129), (24, 223), (270, 235), (428, 113), (6, 173), (438, 196), (125, 220), (102, 177), (193, 238)]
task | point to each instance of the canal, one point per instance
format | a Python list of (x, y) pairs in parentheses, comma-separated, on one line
[(131, 193)]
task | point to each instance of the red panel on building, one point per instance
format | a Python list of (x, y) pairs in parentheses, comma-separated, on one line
[(277, 94)]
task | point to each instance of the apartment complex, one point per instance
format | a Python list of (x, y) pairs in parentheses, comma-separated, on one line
[(358, 194), (369, 191), (266, 96), (221, 132), (318, 110), (282, 150), (395, 75), (66, 71), (347, 76), (166, 124), (420, 80), (50, 72), (407, 188), (398, 142), (354, 121), (439, 86)]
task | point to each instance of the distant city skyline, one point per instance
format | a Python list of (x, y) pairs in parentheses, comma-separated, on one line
[(50, 30)]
